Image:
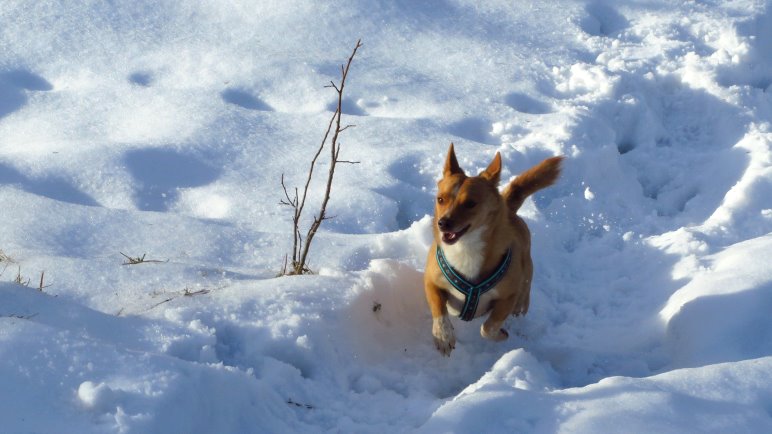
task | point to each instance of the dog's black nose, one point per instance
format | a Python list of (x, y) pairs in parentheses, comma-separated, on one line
[(443, 223)]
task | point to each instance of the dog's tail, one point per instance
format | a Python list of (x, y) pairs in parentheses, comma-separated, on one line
[(532, 180)]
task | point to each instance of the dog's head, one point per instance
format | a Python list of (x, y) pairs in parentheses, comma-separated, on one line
[(465, 203)]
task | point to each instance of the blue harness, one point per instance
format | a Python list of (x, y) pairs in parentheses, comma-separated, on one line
[(471, 292)]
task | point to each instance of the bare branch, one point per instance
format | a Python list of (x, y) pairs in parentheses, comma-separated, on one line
[(313, 162), (332, 85), (289, 200), (301, 246), (19, 280), (19, 316), (187, 292), (41, 287), (140, 260), (166, 300), (284, 267)]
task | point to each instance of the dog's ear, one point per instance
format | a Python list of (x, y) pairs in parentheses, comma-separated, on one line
[(493, 171), (451, 164)]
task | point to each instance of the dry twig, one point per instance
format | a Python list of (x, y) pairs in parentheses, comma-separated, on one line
[(290, 401), (41, 287), (19, 316), (187, 292), (6, 258), (301, 245), (140, 260), (19, 280)]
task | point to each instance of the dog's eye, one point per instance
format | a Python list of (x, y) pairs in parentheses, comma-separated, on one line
[(440, 200), (470, 204)]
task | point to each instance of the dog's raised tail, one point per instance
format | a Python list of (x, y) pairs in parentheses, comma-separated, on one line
[(532, 180)]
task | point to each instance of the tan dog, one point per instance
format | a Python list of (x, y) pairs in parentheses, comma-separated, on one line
[(480, 260)]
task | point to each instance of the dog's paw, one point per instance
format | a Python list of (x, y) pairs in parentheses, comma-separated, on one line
[(444, 347), (520, 310), (444, 338), (521, 307), (497, 335)]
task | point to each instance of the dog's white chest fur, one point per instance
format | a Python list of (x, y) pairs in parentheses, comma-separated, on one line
[(467, 254)]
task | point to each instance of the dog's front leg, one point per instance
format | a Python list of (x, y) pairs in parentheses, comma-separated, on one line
[(523, 300), (491, 328), (442, 329)]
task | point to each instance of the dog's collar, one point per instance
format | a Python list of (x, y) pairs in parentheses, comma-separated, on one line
[(471, 292)]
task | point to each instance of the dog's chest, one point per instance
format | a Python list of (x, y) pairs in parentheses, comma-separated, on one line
[(457, 299), (467, 257)]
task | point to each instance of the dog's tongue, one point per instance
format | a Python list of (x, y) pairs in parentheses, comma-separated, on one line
[(449, 236)]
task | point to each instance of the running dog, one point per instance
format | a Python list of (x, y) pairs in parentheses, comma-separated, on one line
[(480, 260)]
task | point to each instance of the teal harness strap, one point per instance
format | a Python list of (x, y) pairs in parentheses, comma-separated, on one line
[(471, 292)]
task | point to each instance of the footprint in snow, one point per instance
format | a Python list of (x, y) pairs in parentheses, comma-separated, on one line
[(13, 85), (527, 104), (244, 99), (51, 186), (349, 107), (603, 20), (141, 78), (474, 129), (160, 174)]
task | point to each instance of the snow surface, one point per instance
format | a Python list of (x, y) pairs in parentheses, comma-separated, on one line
[(162, 128)]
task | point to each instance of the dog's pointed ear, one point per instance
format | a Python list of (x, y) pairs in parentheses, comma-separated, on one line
[(493, 171), (451, 164)]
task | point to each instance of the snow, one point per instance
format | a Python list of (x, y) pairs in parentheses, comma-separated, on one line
[(163, 129)]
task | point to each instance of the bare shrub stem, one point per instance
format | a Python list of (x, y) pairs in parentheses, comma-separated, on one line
[(301, 245)]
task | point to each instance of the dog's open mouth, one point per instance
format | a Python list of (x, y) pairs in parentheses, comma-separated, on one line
[(452, 237)]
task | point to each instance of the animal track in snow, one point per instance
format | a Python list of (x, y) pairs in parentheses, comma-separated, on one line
[(526, 104), (52, 187), (160, 173), (141, 78), (348, 107), (474, 129), (603, 20), (625, 146), (684, 127), (25, 80), (750, 48), (13, 85), (244, 99), (414, 178)]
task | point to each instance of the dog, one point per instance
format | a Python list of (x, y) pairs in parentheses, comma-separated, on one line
[(480, 260)]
